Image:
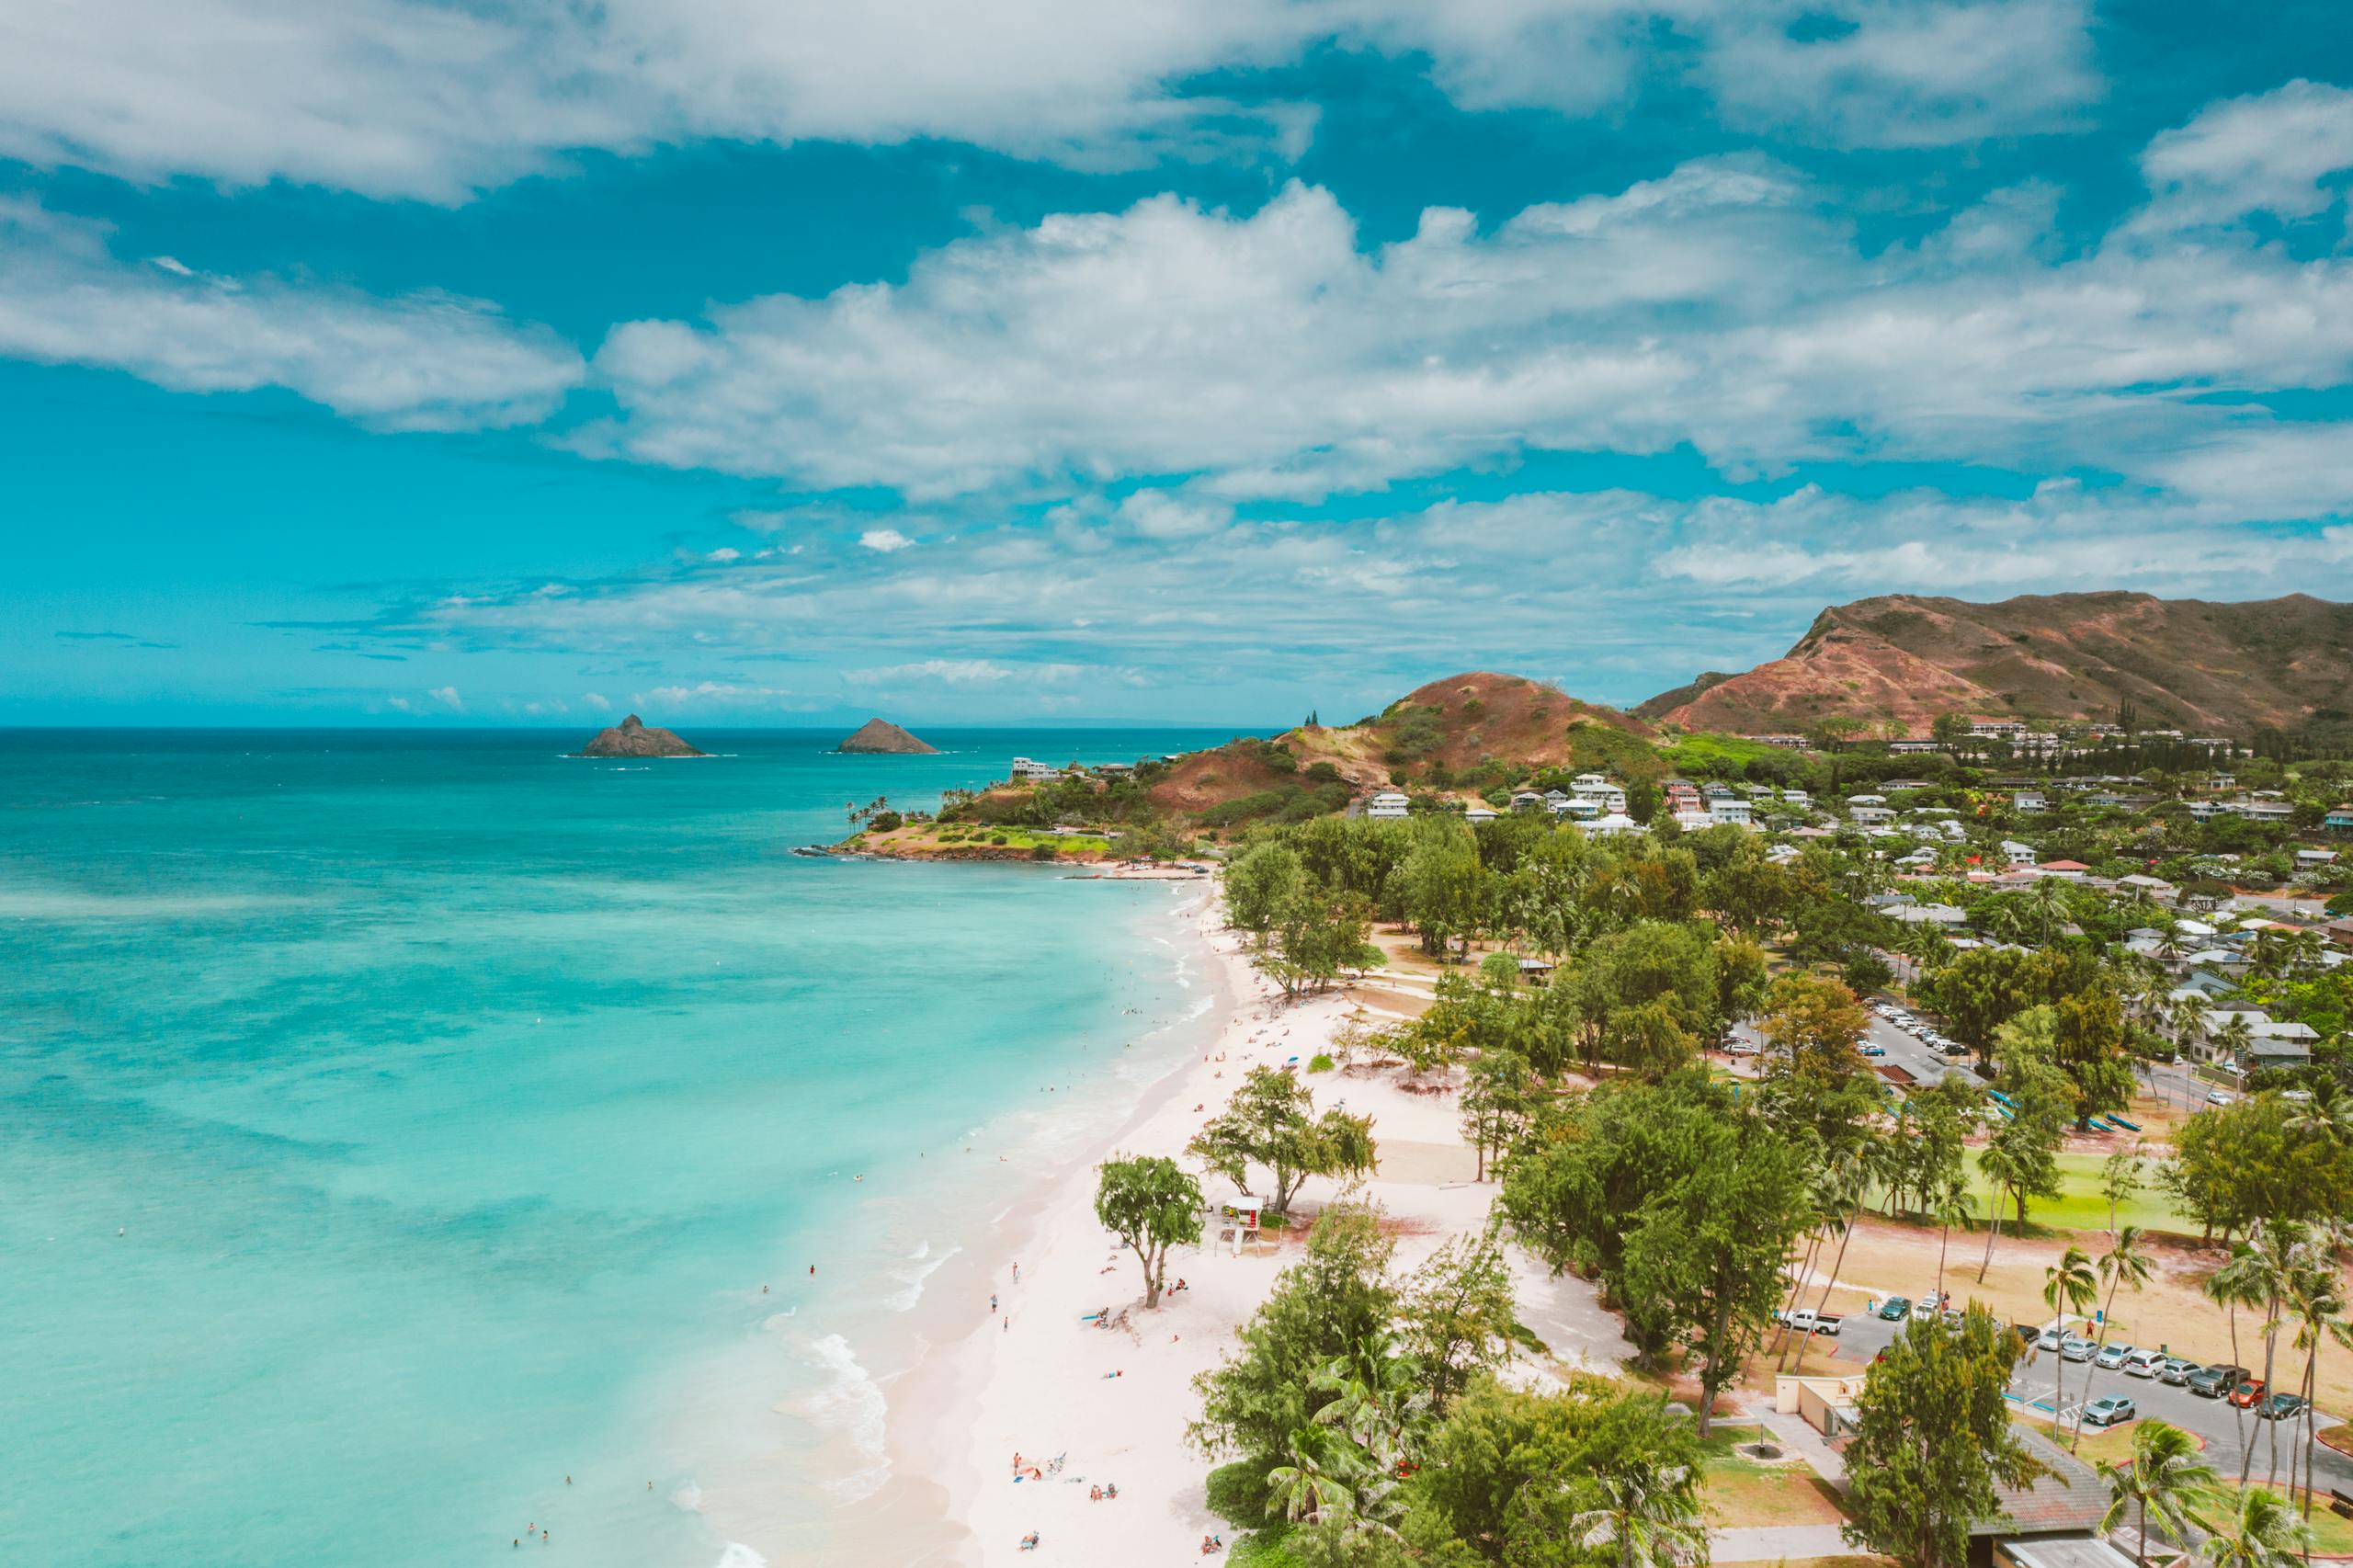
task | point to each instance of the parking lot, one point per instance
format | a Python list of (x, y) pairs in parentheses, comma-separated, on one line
[(2214, 1420)]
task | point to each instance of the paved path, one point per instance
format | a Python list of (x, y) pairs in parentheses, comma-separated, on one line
[(1772, 1543), (1792, 1433)]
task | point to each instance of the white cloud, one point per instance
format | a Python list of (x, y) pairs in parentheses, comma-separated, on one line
[(412, 99), (1723, 305), (2266, 153), (884, 541), (1156, 514), (418, 361), (448, 697), (724, 555), (597, 700)]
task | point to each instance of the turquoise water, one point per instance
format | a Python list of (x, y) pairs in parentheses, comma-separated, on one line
[(391, 1126)]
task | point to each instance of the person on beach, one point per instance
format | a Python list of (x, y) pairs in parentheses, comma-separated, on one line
[(992, 1303)]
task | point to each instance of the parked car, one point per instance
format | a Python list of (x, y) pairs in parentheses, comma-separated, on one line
[(2114, 1357), (2145, 1363), (2049, 1339), (2280, 1407), (2248, 1394), (2027, 1332), (2178, 1371), (1805, 1320), (2109, 1410), (1895, 1309), (2214, 1382), (1741, 1048), (1933, 1301), (2075, 1347), (2216, 1096), (1874, 1050)]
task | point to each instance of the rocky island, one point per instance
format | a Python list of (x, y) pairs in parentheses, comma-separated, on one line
[(631, 738), (879, 735)]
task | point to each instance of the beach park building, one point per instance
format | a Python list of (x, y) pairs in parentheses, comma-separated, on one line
[(1389, 805)]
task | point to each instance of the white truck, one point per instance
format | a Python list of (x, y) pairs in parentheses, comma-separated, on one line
[(1805, 1320)]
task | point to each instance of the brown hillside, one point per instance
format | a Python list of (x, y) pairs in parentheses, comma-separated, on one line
[(1201, 780), (2209, 668), (1462, 720)]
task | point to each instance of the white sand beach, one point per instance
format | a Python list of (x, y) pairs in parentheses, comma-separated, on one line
[(1112, 1404)]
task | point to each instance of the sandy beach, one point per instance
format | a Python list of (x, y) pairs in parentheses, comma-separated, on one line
[(1035, 1378)]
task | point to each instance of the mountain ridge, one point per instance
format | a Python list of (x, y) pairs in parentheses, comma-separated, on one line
[(1901, 659)]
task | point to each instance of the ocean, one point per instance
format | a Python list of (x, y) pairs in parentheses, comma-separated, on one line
[(407, 1138)]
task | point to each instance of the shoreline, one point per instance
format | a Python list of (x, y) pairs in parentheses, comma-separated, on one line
[(1115, 1403)]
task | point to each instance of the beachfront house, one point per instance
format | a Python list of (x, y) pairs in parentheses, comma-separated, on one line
[(1389, 805)]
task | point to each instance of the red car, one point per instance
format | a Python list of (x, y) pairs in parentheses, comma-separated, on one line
[(2248, 1394)]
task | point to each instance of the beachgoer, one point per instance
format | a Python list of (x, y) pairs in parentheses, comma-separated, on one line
[(1110, 1491), (1016, 1274), (1095, 1494), (991, 1300)]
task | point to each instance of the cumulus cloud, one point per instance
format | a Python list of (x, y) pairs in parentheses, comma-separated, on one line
[(418, 361), (446, 696), (884, 541), (1725, 306), (414, 98), (597, 700)]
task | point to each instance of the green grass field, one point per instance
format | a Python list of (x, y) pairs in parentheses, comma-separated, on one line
[(2080, 1207)]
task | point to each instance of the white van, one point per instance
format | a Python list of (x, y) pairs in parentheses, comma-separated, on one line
[(2144, 1363)]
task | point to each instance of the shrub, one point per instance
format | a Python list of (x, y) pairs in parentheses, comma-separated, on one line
[(1323, 773), (887, 822), (1238, 1494), (1041, 852), (996, 838), (1320, 1062)]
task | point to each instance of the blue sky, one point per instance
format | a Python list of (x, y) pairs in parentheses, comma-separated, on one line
[(1208, 360)]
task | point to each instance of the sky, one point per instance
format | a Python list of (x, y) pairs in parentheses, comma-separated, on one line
[(776, 362)]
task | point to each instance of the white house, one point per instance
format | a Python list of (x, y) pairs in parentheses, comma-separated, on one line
[(1691, 819), (1593, 787), (2018, 854), (2028, 800), (1796, 798), (1526, 800), (1870, 816), (1025, 768), (1479, 813), (1726, 808), (1387, 806), (2309, 859), (1614, 824), (1579, 809)]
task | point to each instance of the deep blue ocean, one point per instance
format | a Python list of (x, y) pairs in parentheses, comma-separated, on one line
[(393, 1125)]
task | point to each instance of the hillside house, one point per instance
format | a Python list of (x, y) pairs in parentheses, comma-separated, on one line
[(1479, 813), (2029, 800), (1577, 808), (1725, 809), (2018, 854), (2069, 871), (2314, 860), (1796, 798), (1526, 800), (2338, 820), (1870, 816), (1613, 824), (1034, 772), (1913, 748), (1390, 805)]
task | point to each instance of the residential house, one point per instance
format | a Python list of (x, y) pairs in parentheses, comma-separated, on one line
[(1691, 819), (1526, 800), (2340, 932), (1726, 809), (1479, 813), (2018, 854), (1796, 798), (1870, 816), (1941, 914), (1390, 805), (2070, 871), (2029, 800), (2339, 818), (1579, 809), (2314, 860), (1023, 768), (1614, 824), (1914, 748)]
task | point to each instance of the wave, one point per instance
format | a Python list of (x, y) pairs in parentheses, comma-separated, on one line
[(687, 1498), (851, 1403), (904, 1300), (738, 1555)]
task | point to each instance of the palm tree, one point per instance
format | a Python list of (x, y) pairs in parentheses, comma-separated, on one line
[(2067, 1285), (2281, 1250), (2124, 1263), (2236, 1284), (2166, 1478), (2262, 1531), (2235, 1035), (1853, 1185), (1316, 1484), (1647, 1515), (2316, 1296), (1954, 1207), (1999, 1168)]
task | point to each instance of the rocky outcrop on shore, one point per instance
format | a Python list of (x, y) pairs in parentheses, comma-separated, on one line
[(881, 737), (631, 737)]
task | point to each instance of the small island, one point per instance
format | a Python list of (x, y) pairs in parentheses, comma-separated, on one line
[(879, 737), (631, 738)]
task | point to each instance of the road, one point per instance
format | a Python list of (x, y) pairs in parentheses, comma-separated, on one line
[(1860, 1338)]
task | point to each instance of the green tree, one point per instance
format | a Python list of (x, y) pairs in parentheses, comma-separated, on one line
[(1707, 1251), (1257, 884), (1498, 1098), (1269, 1122), (1335, 1299), (1458, 1319), (1932, 1441), (1153, 1204), (2165, 1479)]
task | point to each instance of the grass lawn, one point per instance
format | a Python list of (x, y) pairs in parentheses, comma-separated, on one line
[(2079, 1205), (1742, 1494), (2113, 1444)]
